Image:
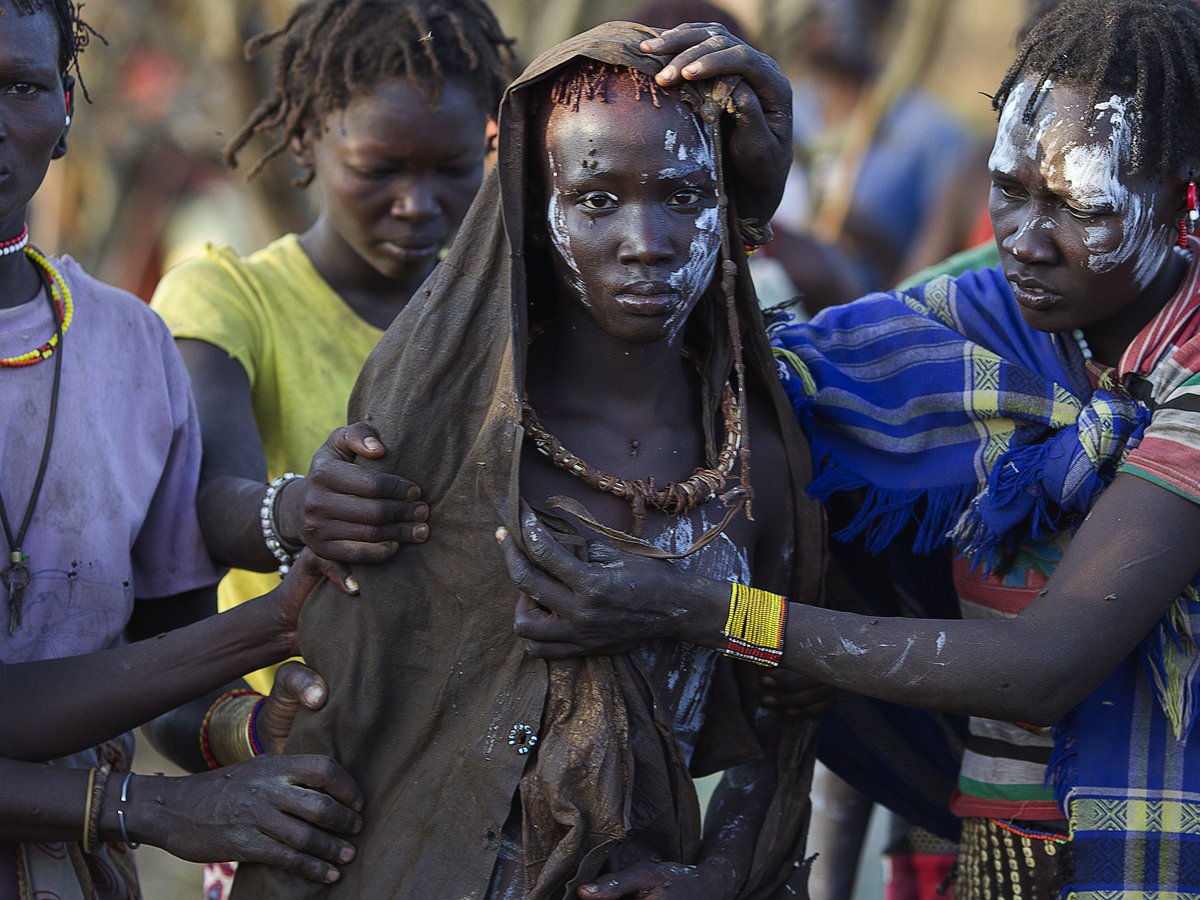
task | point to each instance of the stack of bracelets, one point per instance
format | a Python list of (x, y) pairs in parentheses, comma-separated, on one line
[(228, 734), (756, 625), (284, 554), (96, 787)]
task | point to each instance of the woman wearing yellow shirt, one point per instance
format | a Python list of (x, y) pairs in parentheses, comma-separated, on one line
[(385, 106)]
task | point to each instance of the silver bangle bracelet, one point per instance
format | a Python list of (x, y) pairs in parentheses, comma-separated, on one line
[(270, 527), (121, 813)]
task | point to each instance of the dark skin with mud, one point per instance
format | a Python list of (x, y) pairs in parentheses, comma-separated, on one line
[(633, 239), (1128, 561), (34, 101)]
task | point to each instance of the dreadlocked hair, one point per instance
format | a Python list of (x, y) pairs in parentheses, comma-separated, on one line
[(591, 81), (334, 49), (74, 34), (1147, 50)]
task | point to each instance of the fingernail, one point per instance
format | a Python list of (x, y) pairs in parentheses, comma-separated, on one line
[(666, 74), (372, 444), (352, 584), (414, 493), (501, 534), (346, 855), (693, 69), (652, 45), (421, 533), (768, 681), (313, 694), (331, 876), (769, 701)]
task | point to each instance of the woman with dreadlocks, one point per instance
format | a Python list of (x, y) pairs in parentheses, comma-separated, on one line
[(384, 104), (593, 323), (1045, 415), (100, 539)]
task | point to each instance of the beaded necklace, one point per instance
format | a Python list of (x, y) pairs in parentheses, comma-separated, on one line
[(15, 244), (60, 301), (677, 498), (17, 574)]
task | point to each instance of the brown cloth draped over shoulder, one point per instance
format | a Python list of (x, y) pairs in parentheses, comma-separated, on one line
[(434, 705)]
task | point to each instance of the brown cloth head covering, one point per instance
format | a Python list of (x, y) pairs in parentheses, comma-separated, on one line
[(435, 708)]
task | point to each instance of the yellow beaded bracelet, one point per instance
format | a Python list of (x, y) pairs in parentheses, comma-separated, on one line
[(756, 625)]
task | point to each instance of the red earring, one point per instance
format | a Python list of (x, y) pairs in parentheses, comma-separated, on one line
[(1188, 224)]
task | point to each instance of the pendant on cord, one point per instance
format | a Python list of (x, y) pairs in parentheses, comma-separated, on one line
[(16, 578)]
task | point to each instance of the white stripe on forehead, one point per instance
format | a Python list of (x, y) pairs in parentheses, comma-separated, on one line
[(1005, 151)]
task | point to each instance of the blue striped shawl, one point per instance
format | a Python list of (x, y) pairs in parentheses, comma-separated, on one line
[(944, 408)]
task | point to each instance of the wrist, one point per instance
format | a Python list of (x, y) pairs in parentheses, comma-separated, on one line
[(289, 505), (227, 734), (705, 603), (134, 812), (273, 501)]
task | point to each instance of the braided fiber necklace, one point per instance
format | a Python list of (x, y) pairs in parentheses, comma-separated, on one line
[(676, 498), (16, 575)]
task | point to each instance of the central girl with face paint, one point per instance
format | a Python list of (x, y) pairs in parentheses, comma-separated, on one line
[(578, 350)]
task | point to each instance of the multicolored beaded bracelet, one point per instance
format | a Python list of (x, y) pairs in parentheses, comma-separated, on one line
[(227, 740), (756, 625)]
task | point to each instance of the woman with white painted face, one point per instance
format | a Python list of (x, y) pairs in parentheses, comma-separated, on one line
[(1045, 416)]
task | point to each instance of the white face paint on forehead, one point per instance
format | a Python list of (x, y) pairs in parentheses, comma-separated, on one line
[(1086, 167)]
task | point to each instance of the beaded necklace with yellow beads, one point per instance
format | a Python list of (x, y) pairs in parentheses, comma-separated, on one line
[(16, 576), (61, 296)]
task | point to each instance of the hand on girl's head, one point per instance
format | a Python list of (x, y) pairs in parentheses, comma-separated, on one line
[(760, 143)]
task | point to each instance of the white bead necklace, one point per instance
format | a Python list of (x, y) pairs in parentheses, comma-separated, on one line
[(1085, 349)]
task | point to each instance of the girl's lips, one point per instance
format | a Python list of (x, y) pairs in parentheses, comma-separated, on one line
[(401, 252), (1033, 296), (648, 304)]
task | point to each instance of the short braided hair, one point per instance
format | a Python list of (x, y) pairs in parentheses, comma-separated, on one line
[(74, 33), (1148, 50), (334, 49)]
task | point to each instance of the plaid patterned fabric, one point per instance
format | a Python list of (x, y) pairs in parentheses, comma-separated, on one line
[(931, 394), (942, 396)]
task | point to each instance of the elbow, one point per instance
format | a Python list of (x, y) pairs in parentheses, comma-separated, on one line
[(1040, 697)]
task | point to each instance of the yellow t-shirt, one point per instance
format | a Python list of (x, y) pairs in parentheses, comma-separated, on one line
[(302, 348)]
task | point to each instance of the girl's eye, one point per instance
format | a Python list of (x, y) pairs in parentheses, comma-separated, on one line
[(598, 201), (1085, 215), (686, 197), (1007, 190), (22, 89)]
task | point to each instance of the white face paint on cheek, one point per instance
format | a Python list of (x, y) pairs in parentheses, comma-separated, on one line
[(1094, 173), (691, 280), (556, 220)]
